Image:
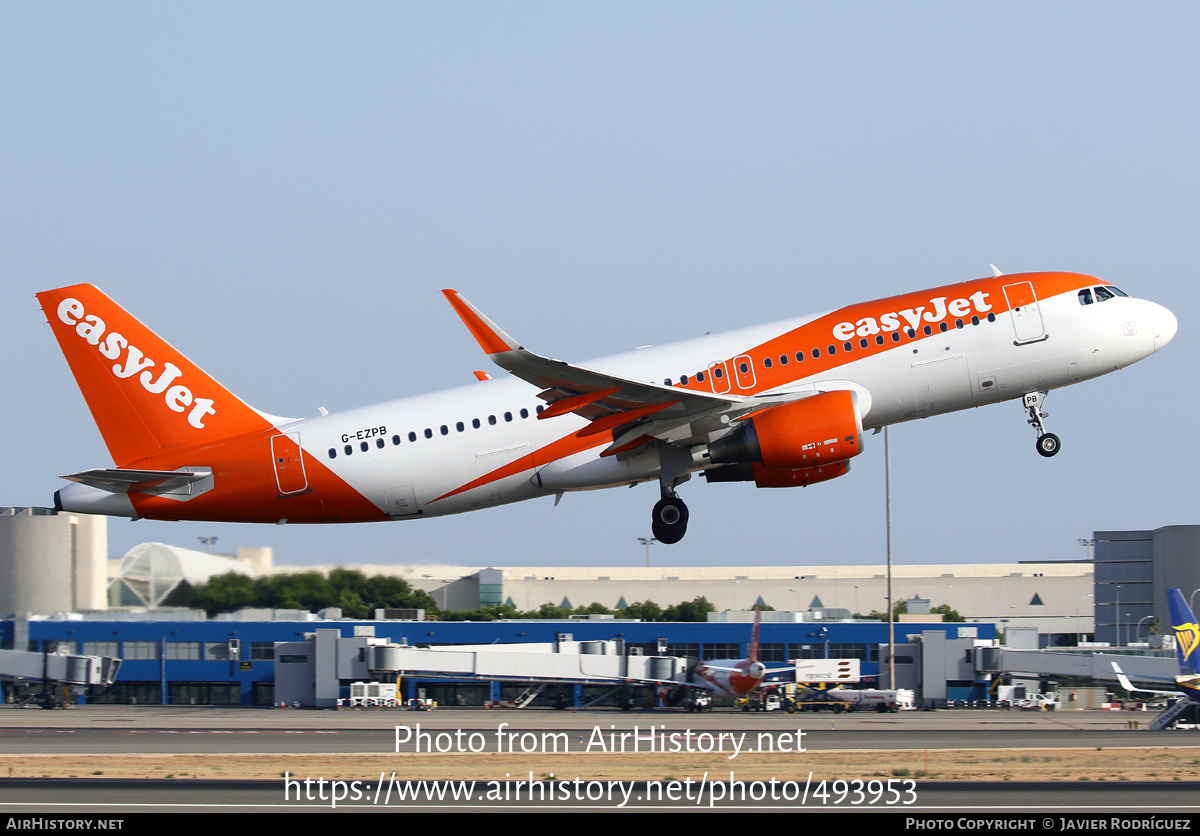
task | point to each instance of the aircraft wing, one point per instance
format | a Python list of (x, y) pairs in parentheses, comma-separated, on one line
[(1129, 686), (121, 480), (635, 411)]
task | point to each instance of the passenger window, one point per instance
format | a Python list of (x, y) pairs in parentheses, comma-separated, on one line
[(718, 372), (475, 423), (428, 433), (766, 362), (332, 453), (912, 334), (958, 323), (1103, 294), (846, 346), (1085, 296), (974, 320), (816, 353), (863, 343), (349, 449), (879, 339), (943, 327), (363, 446), (895, 336), (991, 317), (524, 412), (379, 443), (412, 436), (799, 356), (928, 329), (460, 426), (743, 368), (783, 361), (445, 430), (539, 410), (699, 377), (395, 440), (683, 379)]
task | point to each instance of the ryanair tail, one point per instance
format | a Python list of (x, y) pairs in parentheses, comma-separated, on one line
[(1187, 633)]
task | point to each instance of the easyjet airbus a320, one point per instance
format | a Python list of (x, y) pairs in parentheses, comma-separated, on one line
[(779, 405)]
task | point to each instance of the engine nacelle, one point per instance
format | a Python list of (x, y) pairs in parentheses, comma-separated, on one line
[(807, 433), (762, 477)]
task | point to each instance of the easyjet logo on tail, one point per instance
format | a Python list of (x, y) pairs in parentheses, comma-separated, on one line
[(935, 312), (111, 345)]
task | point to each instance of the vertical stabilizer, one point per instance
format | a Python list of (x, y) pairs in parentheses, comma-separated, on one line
[(1187, 633), (144, 395), (754, 637)]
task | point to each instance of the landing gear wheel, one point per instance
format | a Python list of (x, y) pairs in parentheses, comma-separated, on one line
[(1048, 444), (669, 520)]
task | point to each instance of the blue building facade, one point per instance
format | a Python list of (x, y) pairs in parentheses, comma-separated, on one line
[(233, 663)]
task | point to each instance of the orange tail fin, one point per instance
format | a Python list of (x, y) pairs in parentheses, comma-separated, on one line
[(143, 394)]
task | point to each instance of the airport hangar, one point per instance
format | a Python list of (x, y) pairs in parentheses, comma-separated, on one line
[(174, 657)]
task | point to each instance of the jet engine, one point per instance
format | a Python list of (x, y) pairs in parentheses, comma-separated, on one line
[(763, 477), (810, 434)]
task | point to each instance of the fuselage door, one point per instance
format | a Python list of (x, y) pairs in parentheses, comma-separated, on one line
[(289, 464), (744, 369), (1026, 314)]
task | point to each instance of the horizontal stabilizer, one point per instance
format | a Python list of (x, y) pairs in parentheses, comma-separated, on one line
[(121, 480)]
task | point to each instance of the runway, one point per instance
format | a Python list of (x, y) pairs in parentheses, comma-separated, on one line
[(524, 756)]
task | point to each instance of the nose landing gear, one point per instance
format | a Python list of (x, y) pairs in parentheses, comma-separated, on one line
[(1048, 444)]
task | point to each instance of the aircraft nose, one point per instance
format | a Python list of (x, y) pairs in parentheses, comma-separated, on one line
[(1165, 325)]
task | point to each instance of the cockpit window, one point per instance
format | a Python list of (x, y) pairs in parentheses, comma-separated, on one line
[(1085, 296), (1103, 294), (1118, 291)]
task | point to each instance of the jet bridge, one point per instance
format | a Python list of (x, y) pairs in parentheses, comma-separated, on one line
[(57, 668), (312, 672), (1090, 665)]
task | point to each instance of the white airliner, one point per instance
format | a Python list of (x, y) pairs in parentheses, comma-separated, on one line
[(781, 405)]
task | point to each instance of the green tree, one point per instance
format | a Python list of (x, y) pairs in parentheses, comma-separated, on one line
[(349, 589), (696, 609), (593, 608), (643, 610), (947, 613), (224, 593)]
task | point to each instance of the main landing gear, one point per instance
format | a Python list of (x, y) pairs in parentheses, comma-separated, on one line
[(670, 519), (670, 516), (1047, 443)]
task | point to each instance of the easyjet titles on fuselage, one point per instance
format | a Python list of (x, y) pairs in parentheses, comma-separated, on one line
[(177, 398), (868, 326)]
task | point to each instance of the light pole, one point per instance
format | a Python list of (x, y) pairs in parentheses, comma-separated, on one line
[(208, 541), (1117, 614), (646, 541), (891, 617), (1138, 634)]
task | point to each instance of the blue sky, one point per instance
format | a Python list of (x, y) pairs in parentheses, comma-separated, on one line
[(280, 189)]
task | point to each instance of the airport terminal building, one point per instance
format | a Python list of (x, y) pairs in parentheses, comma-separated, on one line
[(173, 656)]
